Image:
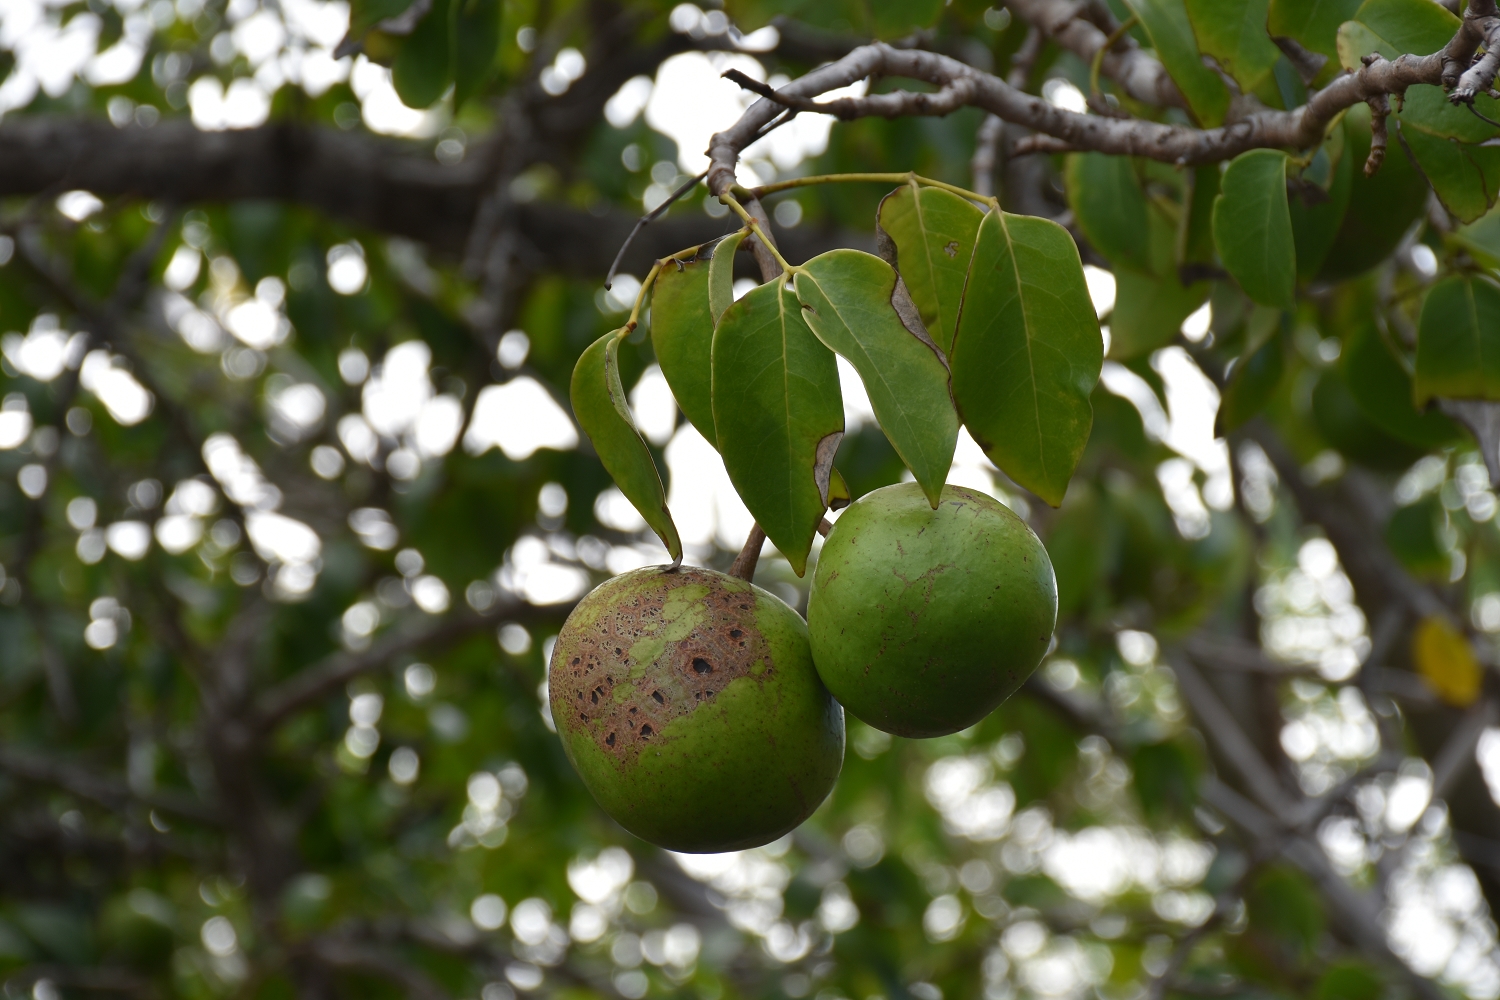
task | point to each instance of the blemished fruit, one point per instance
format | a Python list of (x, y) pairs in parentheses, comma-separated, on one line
[(688, 703), (922, 620)]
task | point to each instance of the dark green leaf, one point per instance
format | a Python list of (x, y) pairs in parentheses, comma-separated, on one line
[(1317, 213), (1253, 227), (600, 405), (1393, 27), (778, 413), (1350, 980), (1314, 23), (1234, 33), (1283, 902), (1381, 208), (476, 40), (1252, 383), (1171, 33), (1149, 311), (682, 328), (1458, 341), (1166, 779), (1413, 534), (1443, 139), (1383, 389), (1482, 238), (858, 307), (1028, 352), (423, 70), (1343, 424), (933, 232), (1105, 195)]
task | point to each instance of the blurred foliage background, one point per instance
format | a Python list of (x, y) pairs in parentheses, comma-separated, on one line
[(292, 506)]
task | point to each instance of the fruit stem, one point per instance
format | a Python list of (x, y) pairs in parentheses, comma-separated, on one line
[(744, 563)]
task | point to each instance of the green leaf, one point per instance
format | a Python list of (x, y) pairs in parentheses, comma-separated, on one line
[(1028, 352), (1458, 341), (1252, 383), (1481, 238), (1234, 33), (1314, 23), (1253, 227), (933, 232), (1382, 387), (476, 41), (1284, 903), (1413, 535), (600, 405), (1350, 980), (1149, 311), (1381, 208), (1393, 27), (1171, 33), (1343, 424), (1443, 139), (1317, 214), (424, 67), (721, 273), (897, 18), (859, 308), (1105, 195), (778, 413), (682, 326)]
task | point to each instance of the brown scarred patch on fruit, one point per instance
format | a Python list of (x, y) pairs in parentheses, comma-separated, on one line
[(657, 655)]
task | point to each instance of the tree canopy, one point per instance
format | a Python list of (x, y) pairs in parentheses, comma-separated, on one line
[(326, 397)]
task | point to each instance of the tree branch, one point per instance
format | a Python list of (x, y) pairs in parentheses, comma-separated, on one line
[(111, 794), (317, 681), (960, 85), (1139, 74)]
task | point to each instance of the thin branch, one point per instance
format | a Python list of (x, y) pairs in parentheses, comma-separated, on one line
[(961, 85), (113, 795), (1225, 733), (319, 680), (646, 220)]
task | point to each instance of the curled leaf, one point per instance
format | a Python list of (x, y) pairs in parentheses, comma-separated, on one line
[(600, 405)]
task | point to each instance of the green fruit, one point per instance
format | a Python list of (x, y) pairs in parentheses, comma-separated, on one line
[(923, 620), (688, 703)]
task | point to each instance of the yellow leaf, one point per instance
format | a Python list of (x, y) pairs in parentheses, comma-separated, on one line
[(1445, 660)]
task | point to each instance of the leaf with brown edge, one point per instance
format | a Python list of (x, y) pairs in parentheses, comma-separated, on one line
[(600, 405), (779, 414), (927, 234), (850, 300)]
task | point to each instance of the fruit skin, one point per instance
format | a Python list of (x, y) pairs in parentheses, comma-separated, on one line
[(688, 703), (922, 621)]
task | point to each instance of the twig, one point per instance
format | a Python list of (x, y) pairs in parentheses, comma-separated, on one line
[(646, 220), (311, 685)]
